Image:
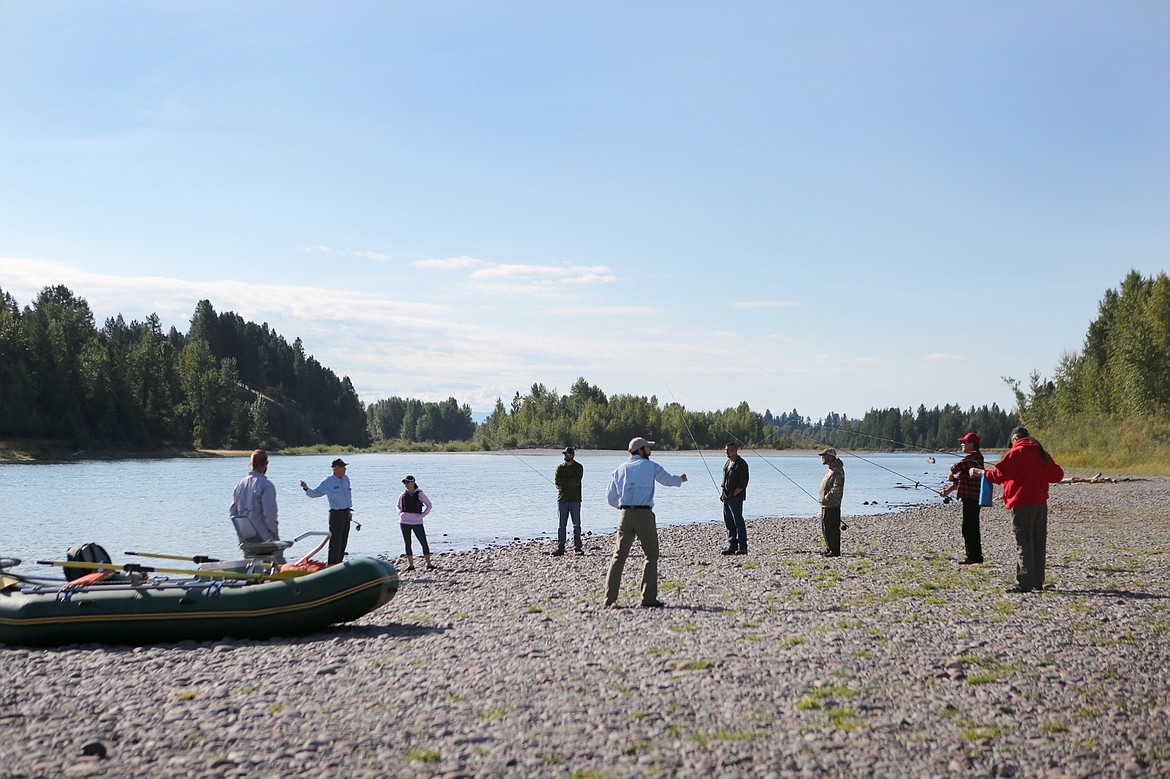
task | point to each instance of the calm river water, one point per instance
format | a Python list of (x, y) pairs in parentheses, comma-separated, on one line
[(180, 506)]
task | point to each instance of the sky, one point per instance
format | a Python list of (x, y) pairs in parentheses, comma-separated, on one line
[(827, 207)]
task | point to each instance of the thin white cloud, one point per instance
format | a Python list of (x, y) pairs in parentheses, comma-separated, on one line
[(765, 304), (537, 273), (603, 310), (828, 359), (175, 299), (366, 255), (370, 255), (451, 263), (944, 357)]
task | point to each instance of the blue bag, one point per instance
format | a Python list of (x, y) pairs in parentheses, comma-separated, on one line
[(984, 491)]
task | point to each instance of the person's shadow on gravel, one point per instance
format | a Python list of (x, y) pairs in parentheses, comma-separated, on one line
[(1127, 594)]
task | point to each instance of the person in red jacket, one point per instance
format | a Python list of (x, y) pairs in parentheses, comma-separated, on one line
[(1025, 473)]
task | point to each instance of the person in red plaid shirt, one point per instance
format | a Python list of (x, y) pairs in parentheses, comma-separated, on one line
[(968, 493)]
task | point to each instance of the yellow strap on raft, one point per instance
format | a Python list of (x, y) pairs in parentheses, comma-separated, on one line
[(151, 569)]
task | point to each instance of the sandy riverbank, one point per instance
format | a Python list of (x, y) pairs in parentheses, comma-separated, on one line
[(889, 661)]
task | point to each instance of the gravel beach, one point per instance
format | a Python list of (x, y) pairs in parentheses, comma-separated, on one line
[(889, 661)]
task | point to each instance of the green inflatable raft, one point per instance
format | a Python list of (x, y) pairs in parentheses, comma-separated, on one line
[(200, 608)]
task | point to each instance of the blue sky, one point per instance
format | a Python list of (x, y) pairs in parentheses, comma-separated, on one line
[(823, 206)]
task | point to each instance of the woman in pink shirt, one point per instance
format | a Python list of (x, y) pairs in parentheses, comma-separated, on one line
[(413, 507)]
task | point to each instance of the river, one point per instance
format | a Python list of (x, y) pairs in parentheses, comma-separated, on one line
[(180, 506)]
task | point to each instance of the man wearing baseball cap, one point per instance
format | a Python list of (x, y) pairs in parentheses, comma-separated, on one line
[(832, 489), (567, 480), (631, 492), (336, 488), (968, 495)]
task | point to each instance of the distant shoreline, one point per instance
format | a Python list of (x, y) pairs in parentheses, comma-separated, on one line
[(40, 452)]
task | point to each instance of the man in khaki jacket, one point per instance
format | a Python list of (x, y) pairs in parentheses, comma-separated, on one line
[(832, 488)]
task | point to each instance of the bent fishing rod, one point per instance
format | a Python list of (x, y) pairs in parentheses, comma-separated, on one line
[(889, 441), (775, 468), (694, 441), (741, 443), (916, 483)]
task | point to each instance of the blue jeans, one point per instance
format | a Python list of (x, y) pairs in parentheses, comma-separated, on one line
[(565, 509), (733, 518)]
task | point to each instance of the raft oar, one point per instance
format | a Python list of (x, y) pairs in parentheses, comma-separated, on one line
[(197, 559), (136, 568)]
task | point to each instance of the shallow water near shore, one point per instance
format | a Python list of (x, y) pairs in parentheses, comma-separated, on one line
[(180, 506)]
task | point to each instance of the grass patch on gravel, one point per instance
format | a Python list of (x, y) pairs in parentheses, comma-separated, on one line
[(826, 700), (707, 737), (493, 713), (843, 718), (424, 755), (975, 731), (898, 591), (990, 669)]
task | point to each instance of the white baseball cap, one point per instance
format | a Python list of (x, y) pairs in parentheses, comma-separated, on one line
[(638, 443)]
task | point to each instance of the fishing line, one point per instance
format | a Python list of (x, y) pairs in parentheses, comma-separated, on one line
[(956, 455), (543, 475), (698, 448), (769, 462), (917, 483), (890, 441)]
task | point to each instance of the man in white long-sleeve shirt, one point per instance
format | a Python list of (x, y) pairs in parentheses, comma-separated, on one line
[(255, 498), (631, 491)]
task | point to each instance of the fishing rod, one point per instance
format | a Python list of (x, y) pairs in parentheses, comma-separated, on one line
[(197, 559), (698, 448), (917, 483), (892, 441), (136, 568), (747, 446), (782, 473), (946, 498)]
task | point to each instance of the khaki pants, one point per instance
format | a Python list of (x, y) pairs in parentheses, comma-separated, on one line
[(634, 523)]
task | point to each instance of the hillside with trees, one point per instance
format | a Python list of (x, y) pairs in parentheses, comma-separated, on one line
[(226, 383), (1109, 403)]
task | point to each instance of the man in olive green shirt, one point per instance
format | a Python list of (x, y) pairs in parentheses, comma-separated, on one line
[(568, 483)]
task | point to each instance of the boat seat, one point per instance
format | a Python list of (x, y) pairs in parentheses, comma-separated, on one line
[(252, 544)]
